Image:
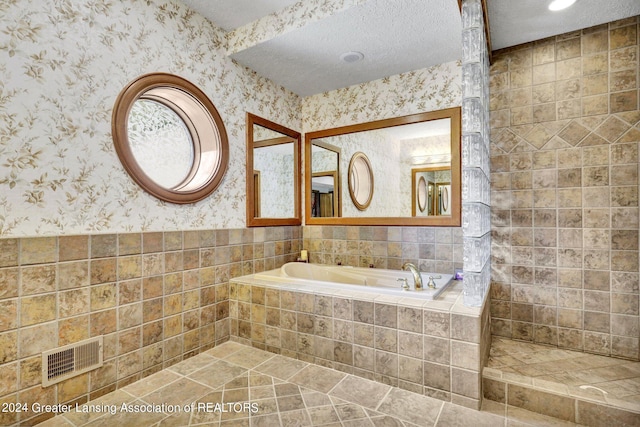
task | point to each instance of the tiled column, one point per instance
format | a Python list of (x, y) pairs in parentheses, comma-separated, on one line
[(476, 214)]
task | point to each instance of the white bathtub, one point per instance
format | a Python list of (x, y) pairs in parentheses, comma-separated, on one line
[(374, 280)]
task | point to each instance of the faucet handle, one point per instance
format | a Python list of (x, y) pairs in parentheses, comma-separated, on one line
[(405, 284), (431, 284)]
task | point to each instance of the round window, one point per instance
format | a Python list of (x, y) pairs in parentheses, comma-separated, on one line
[(170, 138)]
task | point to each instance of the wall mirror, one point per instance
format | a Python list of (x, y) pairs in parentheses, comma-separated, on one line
[(431, 191), (170, 138), (360, 176), (273, 173), (395, 147)]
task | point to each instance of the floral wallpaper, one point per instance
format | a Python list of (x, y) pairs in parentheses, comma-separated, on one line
[(276, 181), (290, 18), (428, 89), (62, 65)]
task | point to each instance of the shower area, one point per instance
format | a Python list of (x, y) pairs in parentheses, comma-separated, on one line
[(564, 226)]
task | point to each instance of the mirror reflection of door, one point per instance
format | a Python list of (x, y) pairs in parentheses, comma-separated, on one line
[(256, 194), (325, 181), (431, 191), (325, 194)]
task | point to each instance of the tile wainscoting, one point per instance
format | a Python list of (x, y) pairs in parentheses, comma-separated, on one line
[(157, 298)]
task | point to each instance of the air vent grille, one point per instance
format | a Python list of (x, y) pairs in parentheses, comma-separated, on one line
[(71, 360)]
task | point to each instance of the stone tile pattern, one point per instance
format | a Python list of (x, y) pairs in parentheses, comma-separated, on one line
[(430, 352), (565, 128), (432, 249), (157, 298), (475, 158), (286, 392), (592, 378)]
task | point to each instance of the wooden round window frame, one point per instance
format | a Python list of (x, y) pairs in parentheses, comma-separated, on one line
[(207, 131), (360, 156)]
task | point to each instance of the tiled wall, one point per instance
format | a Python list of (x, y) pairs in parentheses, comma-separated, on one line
[(155, 297), (434, 249), (564, 175), (436, 351)]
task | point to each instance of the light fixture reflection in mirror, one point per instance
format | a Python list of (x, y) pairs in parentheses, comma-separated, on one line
[(394, 147), (360, 181), (170, 138), (273, 173)]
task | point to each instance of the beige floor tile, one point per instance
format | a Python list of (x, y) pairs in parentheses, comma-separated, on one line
[(281, 367), (361, 391), (177, 393), (386, 421), (350, 411), (271, 420), (106, 402), (218, 373), (249, 359), (151, 383), (123, 418), (318, 378), (458, 416), (56, 422), (192, 364), (223, 350), (529, 418), (411, 407)]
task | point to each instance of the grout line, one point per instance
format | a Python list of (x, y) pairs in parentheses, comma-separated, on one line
[(385, 396), (439, 413)]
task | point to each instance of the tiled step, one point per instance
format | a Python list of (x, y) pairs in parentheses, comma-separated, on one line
[(586, 406)]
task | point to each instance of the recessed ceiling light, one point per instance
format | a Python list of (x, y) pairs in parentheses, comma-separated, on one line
[(560, 4), (352, 56)]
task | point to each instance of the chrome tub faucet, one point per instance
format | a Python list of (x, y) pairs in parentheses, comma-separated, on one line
[(417, 279)]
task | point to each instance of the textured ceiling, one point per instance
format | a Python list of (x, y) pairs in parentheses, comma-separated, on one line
[(516, 22), (392, 35), (395, 36)]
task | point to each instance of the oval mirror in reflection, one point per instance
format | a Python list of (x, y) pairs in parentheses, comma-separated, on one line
[(160, 142), (170, 138), (422, 194), (360, 181)]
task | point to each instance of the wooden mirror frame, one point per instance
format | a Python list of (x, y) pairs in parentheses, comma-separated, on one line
[(291, 137), (456, 172), (203, 122)]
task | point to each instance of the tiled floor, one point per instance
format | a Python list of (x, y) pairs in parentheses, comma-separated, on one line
[(615, 382), (279, 391)]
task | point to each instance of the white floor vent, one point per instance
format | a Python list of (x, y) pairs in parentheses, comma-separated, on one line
[(74, 359)]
